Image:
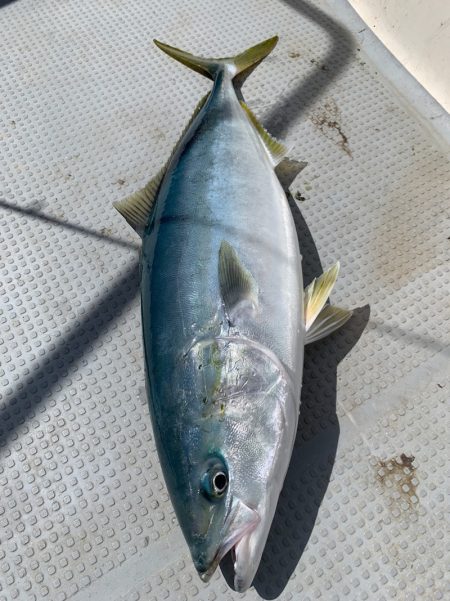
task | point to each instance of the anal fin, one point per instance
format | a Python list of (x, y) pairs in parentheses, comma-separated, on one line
[(276, 149)]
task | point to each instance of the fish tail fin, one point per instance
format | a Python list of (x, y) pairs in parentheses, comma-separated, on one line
[(242, 64)]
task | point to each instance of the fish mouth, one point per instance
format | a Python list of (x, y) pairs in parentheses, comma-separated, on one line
[(246, 558), (240, 523)]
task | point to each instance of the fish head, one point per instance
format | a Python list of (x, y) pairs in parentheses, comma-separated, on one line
[(220, 519), (236, 434)]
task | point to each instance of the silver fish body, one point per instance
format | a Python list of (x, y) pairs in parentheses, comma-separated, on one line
[(215, 386), (223, 323)]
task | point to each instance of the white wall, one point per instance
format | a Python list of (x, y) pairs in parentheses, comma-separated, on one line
[(417, 32)]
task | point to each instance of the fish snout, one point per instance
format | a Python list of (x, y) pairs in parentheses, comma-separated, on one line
[(205, 567), (240, 522)]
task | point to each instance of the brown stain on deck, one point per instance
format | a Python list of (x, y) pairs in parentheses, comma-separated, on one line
[(328, 119), (398, 481)]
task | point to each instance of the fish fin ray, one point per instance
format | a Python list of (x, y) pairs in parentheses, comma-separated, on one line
[(201, 65), (317, 293), (287, 170), (237, 285), (248, 60), (200, 104), (277, 151), (329, 319), (138, 207), (242, 64)]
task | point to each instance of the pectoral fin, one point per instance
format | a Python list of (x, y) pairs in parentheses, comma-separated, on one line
[(237, 286), (322, 319)]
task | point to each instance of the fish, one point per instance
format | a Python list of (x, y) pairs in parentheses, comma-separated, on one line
[(225, 319)]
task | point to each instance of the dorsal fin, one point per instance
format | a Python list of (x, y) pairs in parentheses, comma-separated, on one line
[(237, 286), (137, 208), (276, 149)]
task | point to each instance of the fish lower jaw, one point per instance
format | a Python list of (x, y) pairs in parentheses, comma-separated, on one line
[(206, 576), (244, 565), (233, 541), (231, 546)]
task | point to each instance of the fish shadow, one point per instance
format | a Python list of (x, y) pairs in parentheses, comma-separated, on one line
[(316, 441), (329, 66), (62, 358)]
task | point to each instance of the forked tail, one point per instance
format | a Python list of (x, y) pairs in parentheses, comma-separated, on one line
[(241, 64)]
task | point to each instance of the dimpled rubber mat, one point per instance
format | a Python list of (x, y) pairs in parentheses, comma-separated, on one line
[(89, 111)]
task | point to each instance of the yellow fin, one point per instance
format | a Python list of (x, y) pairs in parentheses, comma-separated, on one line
[(329, 319), (287, 171), (317, 293), (250, 58), (138, 207), (240, 64), (237, 286), (276, 149)]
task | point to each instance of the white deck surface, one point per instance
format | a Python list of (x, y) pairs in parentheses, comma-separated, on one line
[(89, 110)]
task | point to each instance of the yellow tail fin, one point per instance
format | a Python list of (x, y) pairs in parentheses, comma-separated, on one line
[(241, 64)]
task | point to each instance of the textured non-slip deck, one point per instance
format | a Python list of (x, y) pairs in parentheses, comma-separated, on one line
[(89, 110)]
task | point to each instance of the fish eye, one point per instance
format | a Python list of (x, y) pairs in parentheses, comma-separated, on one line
[(215, 481), (220, 482)]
